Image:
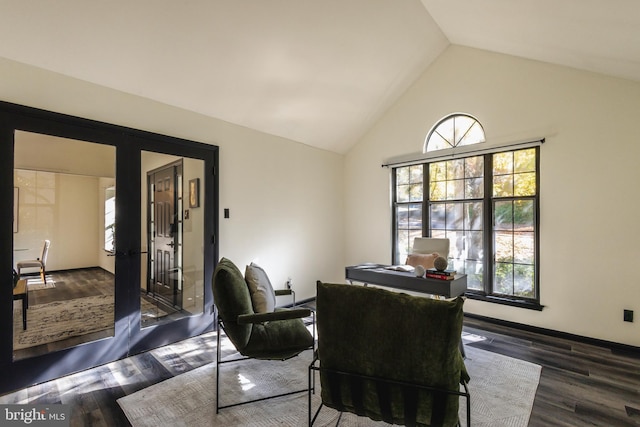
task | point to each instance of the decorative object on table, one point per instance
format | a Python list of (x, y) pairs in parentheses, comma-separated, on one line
[(425, 260), (419, 271), (440, 263)]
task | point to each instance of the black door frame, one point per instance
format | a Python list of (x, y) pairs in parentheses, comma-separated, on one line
[(129, 338)]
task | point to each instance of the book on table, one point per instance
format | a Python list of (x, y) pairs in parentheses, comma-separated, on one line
[(439, 276), (441, 272)]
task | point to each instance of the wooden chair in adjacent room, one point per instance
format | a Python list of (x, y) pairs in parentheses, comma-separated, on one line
[(40, 263)]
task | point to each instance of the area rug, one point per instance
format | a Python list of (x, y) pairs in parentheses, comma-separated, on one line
[(60, 320), (502, 394)]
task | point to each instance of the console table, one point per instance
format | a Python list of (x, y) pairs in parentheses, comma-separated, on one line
[(379, 275)]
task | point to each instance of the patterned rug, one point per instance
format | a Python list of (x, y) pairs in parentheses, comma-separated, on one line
[(502, 393), (60, 320)]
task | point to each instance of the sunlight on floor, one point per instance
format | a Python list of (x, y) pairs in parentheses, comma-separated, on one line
[(245, 383), (466, 337)]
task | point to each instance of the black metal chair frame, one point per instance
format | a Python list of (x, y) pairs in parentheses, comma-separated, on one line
[(313, 368), (258, 318)]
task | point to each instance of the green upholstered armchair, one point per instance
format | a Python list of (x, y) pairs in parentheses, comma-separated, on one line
[(389, 356), (271, 335)]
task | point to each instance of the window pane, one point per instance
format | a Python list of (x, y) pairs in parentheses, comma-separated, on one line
[(409, 216), (438, 190), (525, 160), (475, 245), (524, 281), (503, 215), (473, 270), (415, 173), (437, 142), (503, 246), (457, 244), (503, 278), (415, 192), (473, 136), (524, 248), (474, 188), (503, 163), (402, 217), (474, 167), (438, 171), (437, 216), (439, 234), (415, 216), (523, 215), (462, 126), (402, 193), (455, 169), (402, 245), (445, 129), (503, 186), (473, 216), (524, 184), (402, 175), (455, 189), (455, 216)]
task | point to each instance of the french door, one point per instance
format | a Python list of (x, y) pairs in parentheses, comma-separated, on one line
[(129, 261)]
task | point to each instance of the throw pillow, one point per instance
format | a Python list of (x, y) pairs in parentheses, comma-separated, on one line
[(425, 260), (262, 295)]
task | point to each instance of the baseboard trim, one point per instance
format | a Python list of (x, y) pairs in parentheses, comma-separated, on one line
[(614, 346)]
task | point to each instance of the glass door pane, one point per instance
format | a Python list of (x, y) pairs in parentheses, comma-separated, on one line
[(172, 236), (65, 292)]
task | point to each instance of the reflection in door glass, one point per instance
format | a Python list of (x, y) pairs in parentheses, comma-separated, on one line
[(65, 292), (172, 282)]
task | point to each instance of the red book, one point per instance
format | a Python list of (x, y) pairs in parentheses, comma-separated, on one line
[(439, 276)]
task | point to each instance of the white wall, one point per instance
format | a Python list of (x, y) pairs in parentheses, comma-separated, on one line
[(588, 169), (63, 209), (285, 198)]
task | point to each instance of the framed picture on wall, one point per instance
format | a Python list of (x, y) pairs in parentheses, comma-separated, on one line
[(194, 193), (15, 209)]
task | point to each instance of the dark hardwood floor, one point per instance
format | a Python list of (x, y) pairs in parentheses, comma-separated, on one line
[(580, 385)]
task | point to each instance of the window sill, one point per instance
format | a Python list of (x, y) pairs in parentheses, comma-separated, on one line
[(514, 302)]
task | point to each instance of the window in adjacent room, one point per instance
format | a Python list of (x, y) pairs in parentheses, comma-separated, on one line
[(486, 204)]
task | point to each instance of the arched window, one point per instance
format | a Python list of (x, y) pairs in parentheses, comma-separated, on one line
[(452, 131)]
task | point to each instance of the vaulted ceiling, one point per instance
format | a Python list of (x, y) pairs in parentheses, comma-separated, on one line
[(317, 72)]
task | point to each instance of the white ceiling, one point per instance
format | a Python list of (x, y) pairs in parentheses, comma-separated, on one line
[(321, 72)]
